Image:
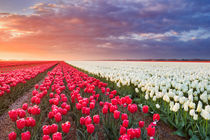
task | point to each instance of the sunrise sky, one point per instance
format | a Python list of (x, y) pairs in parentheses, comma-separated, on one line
[(104, 29)]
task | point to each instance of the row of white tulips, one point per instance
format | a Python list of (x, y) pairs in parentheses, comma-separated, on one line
[(183, 85)]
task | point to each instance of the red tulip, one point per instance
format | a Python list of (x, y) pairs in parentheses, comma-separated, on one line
[(13, 115), (57, 136), (101, 103), (151, 131), (46, 129), (114, 101), (112, 108), (58, 117), (128, 100), (125, 123), (20, 123), (66, 126), (131, 133), (90, 128), (54, 128), (25, 106), (78, 106), (122, 130), (96, 119), (156, 117), (132, 108), (50, 115), (21, 113), (30, 121), (141, 124), (26, 135), (88, 120), (36, 86), (137, 132), (12, 136), (145, 109), (92, 105), (116, 114), (82, 120), (87, 111), (124, 116), (68, 107), (105, 110), (46, 137), (124, 137)]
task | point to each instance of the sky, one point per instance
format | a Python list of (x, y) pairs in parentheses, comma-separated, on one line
[(104, 29)]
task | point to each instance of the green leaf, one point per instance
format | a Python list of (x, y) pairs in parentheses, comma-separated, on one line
[(194, 137), (190, 132), (181, 124), (137, 100), (179, 133)]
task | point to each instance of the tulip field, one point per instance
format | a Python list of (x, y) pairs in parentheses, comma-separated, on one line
[(100, 100)]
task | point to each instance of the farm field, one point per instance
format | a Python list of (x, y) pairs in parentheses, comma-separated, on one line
[(104, 70), (106, 100), (179, 92)]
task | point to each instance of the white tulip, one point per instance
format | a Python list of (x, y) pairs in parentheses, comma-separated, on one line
[(195, 116), (136, 90), (205, 114), (176, 107), (192, 112), (157, 106)]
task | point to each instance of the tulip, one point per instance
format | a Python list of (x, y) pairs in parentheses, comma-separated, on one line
[(132, 108), (124, 116), (137, 132), (116, 114), (58, 117), (25, 106), (82, 120), (20, 123), (78, 106), (145, 109), (26, 135), (66, 126), (13, 115), (131, 133), (105, 110), (12, 136), (46, 137), (151, 131), (125, 123), (96, 119), (53, 128), (141, 124), (122, 130), (92, 105), (90, 128), (88, 120), (57, 136), (124, 137), (156, 117)]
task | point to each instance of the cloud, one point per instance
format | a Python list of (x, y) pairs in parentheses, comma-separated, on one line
[(92, 29)]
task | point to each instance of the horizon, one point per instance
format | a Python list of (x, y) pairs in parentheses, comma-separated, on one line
[(104, 30)]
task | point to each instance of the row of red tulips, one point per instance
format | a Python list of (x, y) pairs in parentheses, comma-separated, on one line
[(68, 94), (12, 78)]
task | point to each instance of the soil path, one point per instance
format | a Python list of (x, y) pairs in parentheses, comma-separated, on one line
[(6, 125)]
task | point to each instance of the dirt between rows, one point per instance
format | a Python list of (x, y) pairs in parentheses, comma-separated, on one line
[(6, 125)]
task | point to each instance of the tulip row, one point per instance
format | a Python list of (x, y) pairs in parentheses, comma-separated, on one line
[(13, 78), (6, 66), (178, 91), (70, 100), (25, 81)]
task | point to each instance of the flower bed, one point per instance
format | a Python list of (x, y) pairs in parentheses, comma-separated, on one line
[(67, 98), (179, 92)]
